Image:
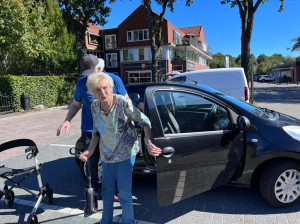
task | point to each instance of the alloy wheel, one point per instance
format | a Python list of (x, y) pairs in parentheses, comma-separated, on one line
[(287, 186)]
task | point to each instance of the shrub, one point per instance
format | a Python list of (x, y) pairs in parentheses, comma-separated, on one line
[(47, 90)]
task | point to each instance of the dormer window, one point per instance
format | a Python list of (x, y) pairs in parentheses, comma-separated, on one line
[(137, 35), (177, 38), (94, 39)]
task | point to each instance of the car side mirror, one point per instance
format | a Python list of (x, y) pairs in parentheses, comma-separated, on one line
[(243, 123)]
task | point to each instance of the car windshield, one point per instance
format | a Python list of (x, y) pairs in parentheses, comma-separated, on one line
[(261, 112)]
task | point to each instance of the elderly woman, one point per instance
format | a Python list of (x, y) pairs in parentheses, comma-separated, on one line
[(113, 117)]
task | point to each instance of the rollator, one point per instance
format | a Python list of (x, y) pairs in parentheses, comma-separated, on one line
[(14, 177)]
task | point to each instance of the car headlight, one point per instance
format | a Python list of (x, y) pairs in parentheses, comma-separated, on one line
[(293, 131)]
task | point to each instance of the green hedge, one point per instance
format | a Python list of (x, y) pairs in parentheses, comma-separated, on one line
[(47, 90)]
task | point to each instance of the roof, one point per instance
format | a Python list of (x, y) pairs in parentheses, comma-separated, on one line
[(192, 30)]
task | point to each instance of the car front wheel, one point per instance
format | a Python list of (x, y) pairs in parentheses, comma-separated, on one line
[(280, 184)]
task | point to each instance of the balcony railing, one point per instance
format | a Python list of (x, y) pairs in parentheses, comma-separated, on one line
[(192, 42)]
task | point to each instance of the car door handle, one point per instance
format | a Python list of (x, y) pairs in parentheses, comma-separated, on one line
[(168, 151)]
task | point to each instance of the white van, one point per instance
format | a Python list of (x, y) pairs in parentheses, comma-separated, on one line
[(231, 81)]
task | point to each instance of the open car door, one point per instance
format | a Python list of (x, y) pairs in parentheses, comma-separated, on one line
[(202, 149)]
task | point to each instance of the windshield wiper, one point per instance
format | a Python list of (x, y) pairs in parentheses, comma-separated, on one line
[(266, 110)]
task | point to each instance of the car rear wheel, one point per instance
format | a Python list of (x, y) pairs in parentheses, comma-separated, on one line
[(280, 184)]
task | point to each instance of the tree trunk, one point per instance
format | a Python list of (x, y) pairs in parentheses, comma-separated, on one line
[(247, 12), (4, 65)]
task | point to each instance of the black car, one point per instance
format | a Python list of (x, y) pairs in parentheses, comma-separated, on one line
[(210, 139)]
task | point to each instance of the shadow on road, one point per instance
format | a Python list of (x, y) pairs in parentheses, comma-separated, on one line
[(228, 200), (282, 95)]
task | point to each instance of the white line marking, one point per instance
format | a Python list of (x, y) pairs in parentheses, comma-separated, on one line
[(72, 211), (61, 145)]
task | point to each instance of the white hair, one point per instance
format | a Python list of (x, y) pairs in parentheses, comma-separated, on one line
[(100, 65), (94, 78)]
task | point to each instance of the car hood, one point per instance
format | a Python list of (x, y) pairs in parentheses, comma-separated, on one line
[(286, 120)]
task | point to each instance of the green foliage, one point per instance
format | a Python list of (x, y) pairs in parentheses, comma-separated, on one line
[(218, 61), (47, 90), (34, 38), (63, 44), (296, 46), (276, 59), (85, 11)]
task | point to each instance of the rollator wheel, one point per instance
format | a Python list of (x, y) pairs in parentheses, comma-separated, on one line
[(32, 219), (9, 198)]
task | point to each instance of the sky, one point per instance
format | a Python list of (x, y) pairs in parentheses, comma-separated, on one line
[(272, 33)]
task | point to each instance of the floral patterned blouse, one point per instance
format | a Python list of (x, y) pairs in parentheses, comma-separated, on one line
[(118, 137)]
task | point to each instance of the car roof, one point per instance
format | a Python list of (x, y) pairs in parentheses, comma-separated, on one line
[(143, 86)]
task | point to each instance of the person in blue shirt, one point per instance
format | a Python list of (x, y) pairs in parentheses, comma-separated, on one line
[(89, 64)]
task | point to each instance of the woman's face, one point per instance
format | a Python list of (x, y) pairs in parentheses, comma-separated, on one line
[(103, 91)]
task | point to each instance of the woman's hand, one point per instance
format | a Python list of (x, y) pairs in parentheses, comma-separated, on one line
[(85, 156), (153, 149)]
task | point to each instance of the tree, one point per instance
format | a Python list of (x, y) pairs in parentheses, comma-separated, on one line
[(264, 63), (217, 61), (155, 23), (22, 32), (86, 11), (276, 59), (247, 9), (34, 38), (12, 21), (288, 59), (296, 46), (63, 44)]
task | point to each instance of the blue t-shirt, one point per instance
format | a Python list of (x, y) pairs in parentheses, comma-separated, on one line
[(82, 95)]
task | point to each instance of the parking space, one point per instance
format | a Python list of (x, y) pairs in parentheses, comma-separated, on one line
[(224, 205)]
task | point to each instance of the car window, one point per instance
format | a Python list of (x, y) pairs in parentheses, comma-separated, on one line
[(182, 112), (179, 79)]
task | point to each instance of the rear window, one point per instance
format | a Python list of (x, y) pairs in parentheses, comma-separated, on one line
[(179, 79)]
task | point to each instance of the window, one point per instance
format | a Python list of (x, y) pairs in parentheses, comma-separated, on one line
[(94, 39), (111, 60), (177, 38), (137, 35), (182, 112), (110, 41), (96, 53), (179, 79), (139, 77), (141, 54), (128, 55)]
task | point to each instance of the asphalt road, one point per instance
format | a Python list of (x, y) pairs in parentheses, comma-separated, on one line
[(224, 205)]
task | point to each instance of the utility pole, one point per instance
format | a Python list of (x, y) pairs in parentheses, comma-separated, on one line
[(251, 92)]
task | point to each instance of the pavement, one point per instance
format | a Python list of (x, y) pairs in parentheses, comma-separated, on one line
[(224, 205)]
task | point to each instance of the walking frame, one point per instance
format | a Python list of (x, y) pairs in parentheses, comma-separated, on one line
[(9, 173)]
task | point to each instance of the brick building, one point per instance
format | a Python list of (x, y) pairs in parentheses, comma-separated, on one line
[(127, 52)]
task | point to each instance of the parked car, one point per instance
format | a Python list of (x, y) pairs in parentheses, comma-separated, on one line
[(256, 77), (231, 81), (264, 78), (210, 139)]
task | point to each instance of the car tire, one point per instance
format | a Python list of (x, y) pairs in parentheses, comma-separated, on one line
[(280, 184)]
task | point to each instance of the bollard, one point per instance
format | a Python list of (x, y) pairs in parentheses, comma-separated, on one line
[(25, 101)]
